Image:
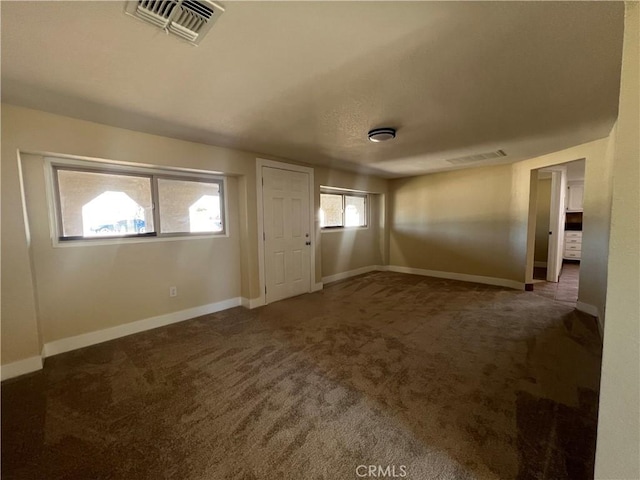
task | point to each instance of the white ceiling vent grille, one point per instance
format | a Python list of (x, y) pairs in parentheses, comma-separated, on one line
[(477, 158), (187, 19)]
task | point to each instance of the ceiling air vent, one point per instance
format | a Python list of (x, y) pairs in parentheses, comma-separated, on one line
[(187, 19), (477, 158)]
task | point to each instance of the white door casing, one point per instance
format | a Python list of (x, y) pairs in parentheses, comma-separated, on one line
[(287, 235)]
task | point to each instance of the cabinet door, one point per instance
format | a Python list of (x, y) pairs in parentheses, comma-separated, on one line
[(575, 195)]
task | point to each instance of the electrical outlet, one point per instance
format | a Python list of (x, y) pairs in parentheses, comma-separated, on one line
[(173, 291)]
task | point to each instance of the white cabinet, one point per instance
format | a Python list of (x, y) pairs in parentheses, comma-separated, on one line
[(572, 245), (575, 195)]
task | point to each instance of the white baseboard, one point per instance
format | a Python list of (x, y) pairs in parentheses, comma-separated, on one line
[(92, 338), (256, 302), (600, 327), (317, 286), (500, 282), (351, 273), (463, 277), (594, 312), (56, 347), (587, 308), (21, 367), (540, 264)]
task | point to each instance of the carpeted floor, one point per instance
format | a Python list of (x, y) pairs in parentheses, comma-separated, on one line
[(435, 378)]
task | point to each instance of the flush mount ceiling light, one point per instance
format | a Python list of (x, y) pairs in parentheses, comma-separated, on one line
[(382, 134)]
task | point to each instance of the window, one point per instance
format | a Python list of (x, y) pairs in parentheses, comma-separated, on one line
[(102, 202), (338, 210), (188, 206)]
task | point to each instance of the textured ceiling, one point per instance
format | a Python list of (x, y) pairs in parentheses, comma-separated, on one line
[(307, 80)]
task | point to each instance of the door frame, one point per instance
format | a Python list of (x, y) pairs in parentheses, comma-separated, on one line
[(557, 207), (262, 162), (556, 221)]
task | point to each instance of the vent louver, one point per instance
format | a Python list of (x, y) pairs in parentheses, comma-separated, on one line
[(187, 19), (477, 158)]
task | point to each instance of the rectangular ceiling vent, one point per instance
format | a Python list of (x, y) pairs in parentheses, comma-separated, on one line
[(477, 158), (187, 19)]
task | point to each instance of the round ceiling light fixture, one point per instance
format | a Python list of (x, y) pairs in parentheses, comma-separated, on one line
[(382, 134)]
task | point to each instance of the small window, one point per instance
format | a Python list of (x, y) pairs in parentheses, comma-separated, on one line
[(338, 210), (98, 203), (354, 211), (331, 210), (188, 206)]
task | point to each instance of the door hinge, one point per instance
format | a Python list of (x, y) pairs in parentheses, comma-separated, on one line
[(264, 236), (265, 289), (263, 182)]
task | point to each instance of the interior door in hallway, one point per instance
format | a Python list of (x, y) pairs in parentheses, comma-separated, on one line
[(287, 238)]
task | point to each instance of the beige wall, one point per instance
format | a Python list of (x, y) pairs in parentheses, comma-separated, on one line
[(52, 293), (346, 250), (596, 219), (593, 271), (476, 221), (453, 222), (618, 447), (73, 297), (524, 234), (82, 289), (350, 249), (20, 337), (543, 208)]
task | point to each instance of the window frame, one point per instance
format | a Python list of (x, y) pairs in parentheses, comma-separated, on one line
[(344, 194), (185, 178), (54, 164), (105, 171)]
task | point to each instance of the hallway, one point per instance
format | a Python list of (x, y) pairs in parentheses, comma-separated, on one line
[(566, 290)]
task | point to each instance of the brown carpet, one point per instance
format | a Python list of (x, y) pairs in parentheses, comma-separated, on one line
[(449, 380)]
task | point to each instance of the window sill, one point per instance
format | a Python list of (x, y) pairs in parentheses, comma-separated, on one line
[(343, 229), (130, 240)]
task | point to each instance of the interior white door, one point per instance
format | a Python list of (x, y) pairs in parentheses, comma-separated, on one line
[(287, 239), (556, 223)]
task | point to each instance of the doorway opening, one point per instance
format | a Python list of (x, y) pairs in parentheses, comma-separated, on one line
[(558, 234)]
